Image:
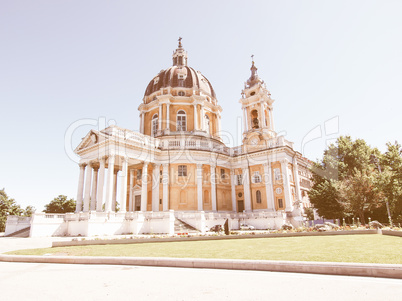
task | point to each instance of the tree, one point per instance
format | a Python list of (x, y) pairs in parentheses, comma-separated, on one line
[(29, 210), (7, 207), (359, 192), (60, 204), (342, 185), (324, 197), (391, 166)]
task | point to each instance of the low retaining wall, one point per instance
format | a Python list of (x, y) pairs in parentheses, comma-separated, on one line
[(330, 268), (197, 238), (392, 233)]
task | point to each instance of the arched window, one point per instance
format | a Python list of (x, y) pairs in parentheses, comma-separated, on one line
[(207, 124), (155, 124), (255, 123), (181, 93), (181, 123), (258, 197)]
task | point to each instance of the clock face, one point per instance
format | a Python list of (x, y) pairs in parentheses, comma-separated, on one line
[(278, 190)]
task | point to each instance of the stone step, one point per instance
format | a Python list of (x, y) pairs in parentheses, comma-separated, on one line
[(182, 227), (20, 233)]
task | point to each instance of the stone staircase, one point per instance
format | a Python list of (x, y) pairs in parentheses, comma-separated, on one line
[(181, 226), (20, 233)]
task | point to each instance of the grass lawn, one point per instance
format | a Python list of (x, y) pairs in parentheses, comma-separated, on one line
[(343, 248)]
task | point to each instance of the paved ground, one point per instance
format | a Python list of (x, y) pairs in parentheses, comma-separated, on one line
[(18, 243), (31, 281)]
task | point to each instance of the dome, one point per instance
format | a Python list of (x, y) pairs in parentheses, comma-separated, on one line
[(180, 76)]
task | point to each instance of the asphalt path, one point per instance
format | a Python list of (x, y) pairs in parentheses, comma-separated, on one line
[(33, 281)]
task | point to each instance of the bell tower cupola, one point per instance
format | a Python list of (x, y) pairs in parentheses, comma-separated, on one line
[(256, 101)]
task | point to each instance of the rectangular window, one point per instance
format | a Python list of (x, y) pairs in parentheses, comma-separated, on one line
[(139, 173), (160, 177), (239, 180), (280, 203), (256, 177), (182, 171), (277, 174), (181, 123), (222, 173), (154, 127)]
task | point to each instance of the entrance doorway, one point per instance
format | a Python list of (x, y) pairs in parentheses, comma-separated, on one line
[(240, 206), (137, 203)]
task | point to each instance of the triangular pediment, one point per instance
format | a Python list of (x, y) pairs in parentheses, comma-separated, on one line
[(89, 140)]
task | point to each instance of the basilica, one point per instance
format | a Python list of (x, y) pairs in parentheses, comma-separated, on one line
[(178, 168)]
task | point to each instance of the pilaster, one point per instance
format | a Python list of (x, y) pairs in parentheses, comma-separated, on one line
[(213, 187), (199, 187), (144, 187), (155, 187), (286, 185), (165, 183)]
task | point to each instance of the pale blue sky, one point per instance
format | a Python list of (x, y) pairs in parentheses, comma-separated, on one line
[(62, 61)]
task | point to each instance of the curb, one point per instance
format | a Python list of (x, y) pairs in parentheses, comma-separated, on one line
[(327, 268), (198, 238)]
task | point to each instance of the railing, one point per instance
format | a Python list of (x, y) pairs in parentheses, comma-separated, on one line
[(193, 144)]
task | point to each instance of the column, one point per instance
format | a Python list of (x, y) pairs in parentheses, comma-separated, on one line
[(142, 122), (155, 187), (165, 182), (244, 120), (160, 118), (87, 193), (246, 189), (271, 120), (202, 118), (144, 187), (297, 180), (101, 182), (109, 184), (94, 187), (123, 185), (114, 190), (268, 187), (262, 112), (286, 185), (80, 189), (233, 186), (130, 199), (195, 117), (168, 116), (199, 187), (213, 187), (219, 124)]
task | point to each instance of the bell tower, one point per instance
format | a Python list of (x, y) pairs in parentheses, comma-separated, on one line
[(256, 101)]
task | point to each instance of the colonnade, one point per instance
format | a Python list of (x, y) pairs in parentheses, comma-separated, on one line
[(91, 196)]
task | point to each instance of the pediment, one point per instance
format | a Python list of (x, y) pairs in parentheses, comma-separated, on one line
[(89, 140), (136, 187)]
